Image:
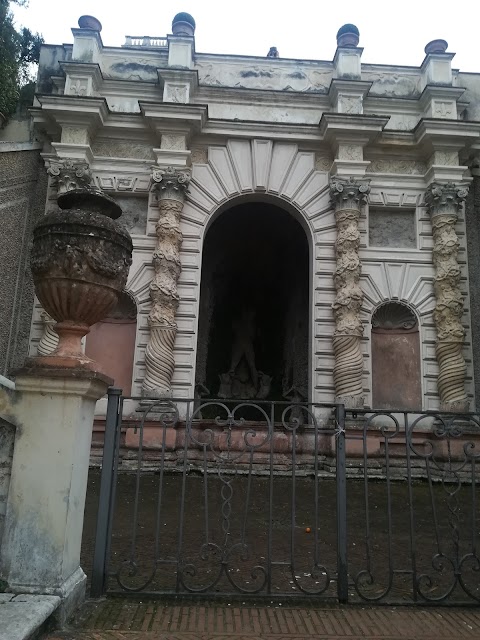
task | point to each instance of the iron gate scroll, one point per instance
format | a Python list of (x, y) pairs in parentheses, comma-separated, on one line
[(268, 499)]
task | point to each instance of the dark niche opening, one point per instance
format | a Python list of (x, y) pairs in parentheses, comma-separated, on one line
[(396, 371), (254, 302)]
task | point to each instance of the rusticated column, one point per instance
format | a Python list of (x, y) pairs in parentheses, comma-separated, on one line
[(444, 201), (348, 197), (171, 187)]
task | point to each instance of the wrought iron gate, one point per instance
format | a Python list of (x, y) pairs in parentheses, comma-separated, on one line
[(269, 499)]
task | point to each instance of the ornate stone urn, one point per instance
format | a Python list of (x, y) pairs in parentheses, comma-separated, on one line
[(348, 36), (80, 262)]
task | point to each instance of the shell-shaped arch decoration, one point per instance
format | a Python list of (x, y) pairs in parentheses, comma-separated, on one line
[(394, 316)]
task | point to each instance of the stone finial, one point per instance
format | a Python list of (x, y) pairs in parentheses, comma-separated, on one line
[(183, 24), (273, 53), (348, 36), (436, 46), (90, 22)]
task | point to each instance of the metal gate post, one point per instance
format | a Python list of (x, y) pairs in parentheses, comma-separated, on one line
[(342, 567), (97, 588)]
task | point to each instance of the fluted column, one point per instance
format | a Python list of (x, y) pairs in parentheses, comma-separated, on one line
[(348, 197), (171, 187), (444, 201)]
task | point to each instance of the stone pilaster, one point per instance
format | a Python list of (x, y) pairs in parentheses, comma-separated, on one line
[(348, 197), (171, 187), (444, 202)]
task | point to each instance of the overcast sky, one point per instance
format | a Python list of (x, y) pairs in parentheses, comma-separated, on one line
[(390, 32)]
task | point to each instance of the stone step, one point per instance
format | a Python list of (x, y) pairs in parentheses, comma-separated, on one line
[(23, 616)]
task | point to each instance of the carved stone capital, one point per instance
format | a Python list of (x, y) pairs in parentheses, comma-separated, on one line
[(170, 183), (349, 194), (68, 175), (445, 199)]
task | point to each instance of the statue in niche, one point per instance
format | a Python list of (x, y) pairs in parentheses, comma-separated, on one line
[(243, 380), (243, 336), (201, 392), (296, 397)]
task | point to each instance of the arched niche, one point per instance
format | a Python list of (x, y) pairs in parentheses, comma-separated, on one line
[(396, 364), (111, 342), (255, 289)]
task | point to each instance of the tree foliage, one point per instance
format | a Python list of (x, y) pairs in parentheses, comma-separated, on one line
[(18, 51)]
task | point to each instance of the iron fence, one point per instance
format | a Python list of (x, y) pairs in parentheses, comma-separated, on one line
[(419, 536), (274, 499)]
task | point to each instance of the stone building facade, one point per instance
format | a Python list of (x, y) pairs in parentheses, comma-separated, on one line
[(23, 189), (299, 227)]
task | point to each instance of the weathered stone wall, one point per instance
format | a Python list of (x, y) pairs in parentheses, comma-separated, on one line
[(7, 436), (134, 213), (23, 184), (472, 213)]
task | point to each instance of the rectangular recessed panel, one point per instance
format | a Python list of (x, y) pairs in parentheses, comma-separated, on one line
[(395, 228)]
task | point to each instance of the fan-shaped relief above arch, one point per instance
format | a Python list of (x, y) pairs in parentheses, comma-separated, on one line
[(393, 315), (258, 166), (410, 283)]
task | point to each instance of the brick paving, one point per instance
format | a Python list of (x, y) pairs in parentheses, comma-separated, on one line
[(124, 619)]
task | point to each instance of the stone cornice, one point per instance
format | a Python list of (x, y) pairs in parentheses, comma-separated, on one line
[(454, 133), (356, 128), (167, 74), (316, 100), (342, 85), (42, 122), (128, 126), (273, 131), (77, 66), (392, 104), (439, 92), (104, 164), (89, 112), (162, 117)]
